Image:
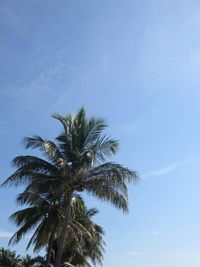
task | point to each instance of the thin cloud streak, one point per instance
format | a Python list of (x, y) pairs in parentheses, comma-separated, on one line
[(134, 253), (170, 168), (4, 234)]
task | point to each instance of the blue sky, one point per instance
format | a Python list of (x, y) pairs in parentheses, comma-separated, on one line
[(135, 63)]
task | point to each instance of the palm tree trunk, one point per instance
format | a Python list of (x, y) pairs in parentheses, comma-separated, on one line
[(64, 232), (49, 249)]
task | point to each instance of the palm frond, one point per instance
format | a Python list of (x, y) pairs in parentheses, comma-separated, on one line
[(108, 194), (64, 121), (28, 168), (22, 161), (32, 198), (94, 130), (26, 224), (114, 171), (48, 147), (67, 264), (35, 236)]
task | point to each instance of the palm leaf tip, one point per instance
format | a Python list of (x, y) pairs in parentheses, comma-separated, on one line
[(32, 142), (133, 176)]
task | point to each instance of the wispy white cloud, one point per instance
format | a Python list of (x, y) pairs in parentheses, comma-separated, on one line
[(192, 253), (134, 253), (10, 18), (170, 168), (136, 126), (5, 234), (156, 233), (40, 91), (161, 171), (129, 129)]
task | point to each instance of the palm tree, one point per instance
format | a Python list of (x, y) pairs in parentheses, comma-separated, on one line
[(85, 240), (42, 215), (28, 261), (77, 163), (9, 258)]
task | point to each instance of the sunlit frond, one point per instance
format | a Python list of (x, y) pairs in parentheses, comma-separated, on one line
[(48, 147), (108, 194)]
